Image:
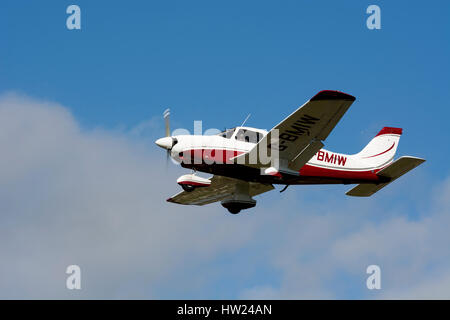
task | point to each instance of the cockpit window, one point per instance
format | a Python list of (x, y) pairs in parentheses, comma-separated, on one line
[(248, 136), (227, 133)]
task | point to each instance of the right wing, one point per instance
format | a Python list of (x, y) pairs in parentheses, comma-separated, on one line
[(221, 188), (300, 135)]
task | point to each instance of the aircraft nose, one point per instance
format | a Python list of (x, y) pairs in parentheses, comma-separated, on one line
[(165, 143)]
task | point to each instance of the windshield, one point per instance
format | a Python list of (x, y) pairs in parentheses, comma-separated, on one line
[(248, 136), (227, 133)]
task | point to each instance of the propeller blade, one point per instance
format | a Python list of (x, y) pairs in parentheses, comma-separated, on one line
[(167, 158), (166, 116)]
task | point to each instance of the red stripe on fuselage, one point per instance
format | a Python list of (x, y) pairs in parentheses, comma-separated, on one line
[(313, 171), (211, 155), (306, 171)]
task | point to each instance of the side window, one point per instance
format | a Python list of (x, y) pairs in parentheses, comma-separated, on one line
[(248, 136), (240, 135), (227, 133)]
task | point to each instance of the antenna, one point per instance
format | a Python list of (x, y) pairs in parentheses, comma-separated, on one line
[(246, 119)]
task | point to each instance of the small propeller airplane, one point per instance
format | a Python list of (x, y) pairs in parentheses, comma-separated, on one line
[(246, 162)]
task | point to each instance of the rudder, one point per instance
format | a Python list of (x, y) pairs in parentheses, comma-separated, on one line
[(381, 149)]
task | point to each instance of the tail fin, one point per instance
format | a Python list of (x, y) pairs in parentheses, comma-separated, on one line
[(382, 148)]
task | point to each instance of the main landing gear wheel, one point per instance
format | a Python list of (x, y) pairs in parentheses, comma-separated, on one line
[(234, 210), (235, 206), (188, 187)]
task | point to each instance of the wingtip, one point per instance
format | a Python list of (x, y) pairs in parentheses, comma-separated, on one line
[(418, 159), (332, 95)]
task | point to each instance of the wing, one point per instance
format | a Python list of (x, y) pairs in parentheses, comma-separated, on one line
[(300, 135), (221, 188)]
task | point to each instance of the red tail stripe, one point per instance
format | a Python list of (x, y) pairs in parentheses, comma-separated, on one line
[(389, 130), (381, 152)]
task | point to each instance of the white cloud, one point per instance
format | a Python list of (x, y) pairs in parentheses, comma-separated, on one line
[(95, 199), (326, 255)]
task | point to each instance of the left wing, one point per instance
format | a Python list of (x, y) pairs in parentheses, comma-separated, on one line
[(221, 188), (300, 135)]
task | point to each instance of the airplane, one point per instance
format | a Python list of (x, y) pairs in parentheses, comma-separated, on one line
[(246, 162)]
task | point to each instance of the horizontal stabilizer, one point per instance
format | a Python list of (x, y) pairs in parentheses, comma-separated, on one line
[(395, 170)]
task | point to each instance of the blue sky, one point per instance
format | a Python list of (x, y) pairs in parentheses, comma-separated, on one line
[(219, 61)]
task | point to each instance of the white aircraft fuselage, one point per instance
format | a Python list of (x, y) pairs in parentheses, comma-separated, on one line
[(236, 157)]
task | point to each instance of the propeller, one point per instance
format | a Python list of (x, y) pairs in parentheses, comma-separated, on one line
[(168, 141)]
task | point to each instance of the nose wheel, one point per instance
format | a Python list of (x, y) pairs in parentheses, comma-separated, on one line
[(190, 182), (188, 187)]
